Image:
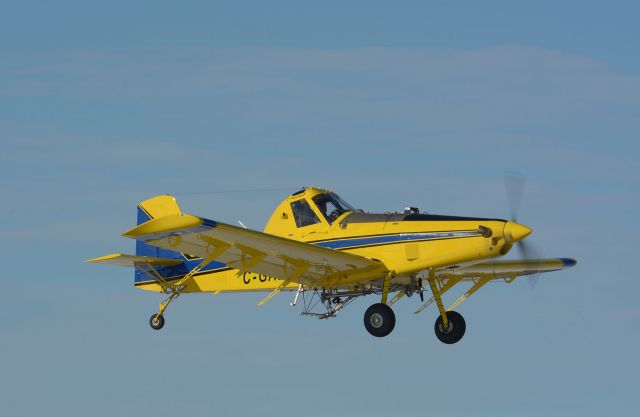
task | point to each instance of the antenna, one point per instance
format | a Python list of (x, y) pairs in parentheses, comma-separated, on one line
[(249, 190)]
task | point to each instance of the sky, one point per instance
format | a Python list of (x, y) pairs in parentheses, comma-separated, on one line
[(105, 104)]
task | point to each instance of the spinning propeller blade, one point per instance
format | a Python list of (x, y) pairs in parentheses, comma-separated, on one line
[(528, 251), (514, 184)]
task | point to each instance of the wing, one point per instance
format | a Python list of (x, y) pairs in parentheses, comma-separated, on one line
[(252, 251), (511, 269), (484, 272), (134, 261)]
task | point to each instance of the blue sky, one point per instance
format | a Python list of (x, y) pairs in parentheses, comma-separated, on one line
[(103, 105)]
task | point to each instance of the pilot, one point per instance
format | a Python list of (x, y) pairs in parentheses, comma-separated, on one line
[(322, 206)]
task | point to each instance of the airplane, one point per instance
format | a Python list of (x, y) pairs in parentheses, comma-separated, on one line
[(329, 253)]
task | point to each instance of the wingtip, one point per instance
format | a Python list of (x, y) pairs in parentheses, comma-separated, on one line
[(102, 258), (568, 262)]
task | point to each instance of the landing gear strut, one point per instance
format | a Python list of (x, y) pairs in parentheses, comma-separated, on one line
[(453, 332), (379, 320), (157, 320)]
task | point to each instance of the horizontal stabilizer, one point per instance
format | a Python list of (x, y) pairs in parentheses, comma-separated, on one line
[(134, 261)]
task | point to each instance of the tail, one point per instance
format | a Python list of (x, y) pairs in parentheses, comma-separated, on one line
[(153, 208)]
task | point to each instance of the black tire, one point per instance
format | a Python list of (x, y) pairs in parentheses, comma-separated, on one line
[(379, 320), (156, 321), (456, 329)]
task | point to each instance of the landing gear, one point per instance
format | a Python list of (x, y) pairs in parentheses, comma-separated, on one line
[(379, 320), (156, 321), (454, 331)]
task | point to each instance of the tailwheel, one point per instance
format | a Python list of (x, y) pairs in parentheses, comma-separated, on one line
[(156, 321), (379, 320), (454, 332)]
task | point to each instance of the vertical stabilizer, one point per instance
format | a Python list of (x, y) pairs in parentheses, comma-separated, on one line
[(154, 208)]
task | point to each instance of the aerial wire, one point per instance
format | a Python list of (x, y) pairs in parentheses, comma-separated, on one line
[(248, 190)]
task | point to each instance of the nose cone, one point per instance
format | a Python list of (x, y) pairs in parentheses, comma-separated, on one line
[(514, 232)]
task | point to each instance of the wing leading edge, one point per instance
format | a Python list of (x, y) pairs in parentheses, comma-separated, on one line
[(512, 268), (252, 251)]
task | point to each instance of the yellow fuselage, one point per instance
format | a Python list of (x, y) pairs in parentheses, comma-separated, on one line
[(406, 244)]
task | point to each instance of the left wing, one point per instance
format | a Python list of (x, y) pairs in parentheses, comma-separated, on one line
[(510, 269), (252, 251), (482, 273)]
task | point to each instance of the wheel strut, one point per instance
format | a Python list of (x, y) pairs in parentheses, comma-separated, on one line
[(157, 320), (437, 298), (450, 326)]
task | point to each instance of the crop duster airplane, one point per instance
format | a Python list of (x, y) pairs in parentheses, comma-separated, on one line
[(328, 253)]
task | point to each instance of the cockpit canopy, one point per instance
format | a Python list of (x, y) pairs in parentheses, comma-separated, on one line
[(328, 204), (314, 210), (331, 205)]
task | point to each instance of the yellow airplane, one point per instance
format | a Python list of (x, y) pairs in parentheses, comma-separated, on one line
[(328, 253)]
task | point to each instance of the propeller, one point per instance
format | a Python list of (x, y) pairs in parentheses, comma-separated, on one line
[(528, 251), (514, 184)]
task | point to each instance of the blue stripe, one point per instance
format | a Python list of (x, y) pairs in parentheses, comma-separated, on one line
[(381, 240), (178, 271), (209, 223)]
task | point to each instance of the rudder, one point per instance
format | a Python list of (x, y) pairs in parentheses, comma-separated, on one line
[(153, 208)]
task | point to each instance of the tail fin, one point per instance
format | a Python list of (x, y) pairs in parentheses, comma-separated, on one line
[(153, 208), (156, 207)]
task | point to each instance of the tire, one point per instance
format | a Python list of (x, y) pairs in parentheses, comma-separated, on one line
[(156, 321), (457, 327), (379, 320)]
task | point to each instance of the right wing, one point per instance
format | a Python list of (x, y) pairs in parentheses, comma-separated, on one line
[(252, 251)]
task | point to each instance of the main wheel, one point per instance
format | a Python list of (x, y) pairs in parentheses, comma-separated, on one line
[(455, 330), (379, 320), (156, 321)]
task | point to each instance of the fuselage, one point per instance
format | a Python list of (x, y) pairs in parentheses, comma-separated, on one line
[(406, 243)]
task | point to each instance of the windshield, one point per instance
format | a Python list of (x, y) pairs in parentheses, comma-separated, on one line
[(331, 206)]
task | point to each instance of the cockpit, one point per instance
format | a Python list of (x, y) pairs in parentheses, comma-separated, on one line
[(331, 206), (328, 204)]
